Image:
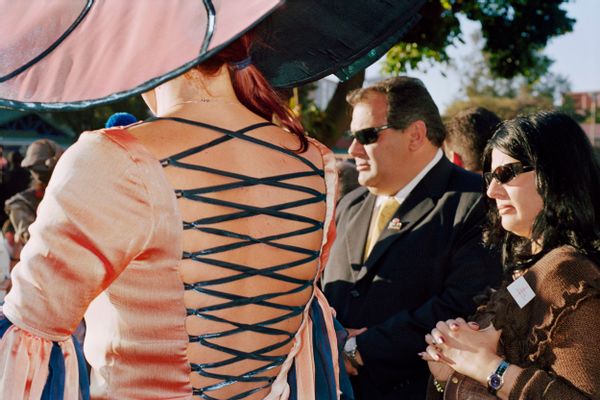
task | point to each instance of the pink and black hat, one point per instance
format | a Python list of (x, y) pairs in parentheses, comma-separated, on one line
[(71, 54)]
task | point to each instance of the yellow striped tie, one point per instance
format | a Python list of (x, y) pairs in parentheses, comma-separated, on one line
[(385, 213)]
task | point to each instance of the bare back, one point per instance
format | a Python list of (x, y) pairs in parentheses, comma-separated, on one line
[(252, 212)]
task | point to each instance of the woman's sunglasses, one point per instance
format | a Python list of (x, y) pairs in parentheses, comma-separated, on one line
[(505, 173), (367, 135)]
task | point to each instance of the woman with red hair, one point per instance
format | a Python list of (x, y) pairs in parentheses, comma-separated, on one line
[(193, 241), (210, 292)]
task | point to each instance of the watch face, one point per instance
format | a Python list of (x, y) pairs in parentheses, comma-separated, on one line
[(350, 344), (495, 381)]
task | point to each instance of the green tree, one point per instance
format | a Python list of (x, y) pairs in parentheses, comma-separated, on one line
[(515, 32)]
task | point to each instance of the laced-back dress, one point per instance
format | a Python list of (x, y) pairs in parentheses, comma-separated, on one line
[(196, 269)]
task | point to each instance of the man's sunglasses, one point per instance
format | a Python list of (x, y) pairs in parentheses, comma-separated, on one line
[(505, 173), (367, 135)]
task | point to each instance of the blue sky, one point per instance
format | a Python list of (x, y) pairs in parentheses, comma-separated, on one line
[(576, 55)]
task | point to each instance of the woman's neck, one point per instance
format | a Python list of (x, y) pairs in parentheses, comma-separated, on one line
[(197, 89)]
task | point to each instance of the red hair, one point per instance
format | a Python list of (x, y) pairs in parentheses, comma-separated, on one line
[(252, 88)]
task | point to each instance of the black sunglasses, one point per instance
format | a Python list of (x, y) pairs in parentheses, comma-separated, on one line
[(367, 135), (505, 173)]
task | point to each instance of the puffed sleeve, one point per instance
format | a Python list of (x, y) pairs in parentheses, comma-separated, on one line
[(94, 219)]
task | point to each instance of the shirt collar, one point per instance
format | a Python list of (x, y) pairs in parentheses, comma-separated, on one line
[(405, 191)]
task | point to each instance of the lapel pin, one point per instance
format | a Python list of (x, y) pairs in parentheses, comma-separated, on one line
[(395, 224)]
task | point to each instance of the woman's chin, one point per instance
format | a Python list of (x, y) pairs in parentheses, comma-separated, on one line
[(510, 225)]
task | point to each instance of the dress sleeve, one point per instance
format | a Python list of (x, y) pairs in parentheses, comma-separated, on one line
[(573, 346), (94, 219)]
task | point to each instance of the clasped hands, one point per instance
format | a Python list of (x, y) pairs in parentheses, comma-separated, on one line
[(455, 345)]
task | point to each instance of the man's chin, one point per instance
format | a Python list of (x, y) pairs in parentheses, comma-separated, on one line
[(365, 179), (368, 183)]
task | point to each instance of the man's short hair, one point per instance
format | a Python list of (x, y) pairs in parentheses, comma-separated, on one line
[(468, 134), (408, 101)]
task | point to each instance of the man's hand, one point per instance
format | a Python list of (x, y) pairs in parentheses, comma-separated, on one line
[(355, 332), (352, 365)]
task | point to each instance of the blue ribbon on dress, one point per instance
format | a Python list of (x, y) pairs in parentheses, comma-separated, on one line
[(324, 373)]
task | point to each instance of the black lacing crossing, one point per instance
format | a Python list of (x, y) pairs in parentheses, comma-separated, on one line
[(243, 272)]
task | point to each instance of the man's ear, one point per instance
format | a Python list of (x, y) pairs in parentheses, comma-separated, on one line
[(417, 132)]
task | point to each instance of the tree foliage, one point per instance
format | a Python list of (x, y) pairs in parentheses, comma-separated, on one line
[(514, 34)]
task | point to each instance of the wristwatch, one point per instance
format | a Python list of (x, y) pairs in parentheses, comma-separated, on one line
[(350, 348), (496, 379)]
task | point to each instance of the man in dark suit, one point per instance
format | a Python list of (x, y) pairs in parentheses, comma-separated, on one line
[(408, 251)]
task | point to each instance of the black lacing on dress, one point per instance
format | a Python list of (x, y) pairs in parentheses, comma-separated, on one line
[(243, 272)]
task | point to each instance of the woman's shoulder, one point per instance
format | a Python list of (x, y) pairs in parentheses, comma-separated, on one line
[(563, 269), (117, 139), (323, 151), (567, 260), (102, 145), (105, 154)]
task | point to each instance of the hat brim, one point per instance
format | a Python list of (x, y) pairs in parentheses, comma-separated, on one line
[(309, 39), (68, 55)]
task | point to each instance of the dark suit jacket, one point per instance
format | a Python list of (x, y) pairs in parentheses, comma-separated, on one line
[(426, 271)]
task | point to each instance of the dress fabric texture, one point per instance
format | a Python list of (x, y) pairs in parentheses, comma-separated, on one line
[(111, 248), (554, 338)]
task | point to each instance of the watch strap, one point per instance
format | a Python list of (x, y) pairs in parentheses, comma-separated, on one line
[(496, 380)]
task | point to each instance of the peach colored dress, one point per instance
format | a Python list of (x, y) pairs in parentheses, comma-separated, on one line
[(108, 244)]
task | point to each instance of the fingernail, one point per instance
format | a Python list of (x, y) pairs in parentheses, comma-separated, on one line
[(453, 326), (473, 323), (436, 357), (442, 340)]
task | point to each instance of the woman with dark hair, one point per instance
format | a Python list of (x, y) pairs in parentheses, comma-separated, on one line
[(225, 308), (537, 337)]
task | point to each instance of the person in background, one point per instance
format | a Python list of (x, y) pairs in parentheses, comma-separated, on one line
[(3, 164), (15, 180), (409, 247), (468, 134), (537, 337), (347, 178), (40, 159)]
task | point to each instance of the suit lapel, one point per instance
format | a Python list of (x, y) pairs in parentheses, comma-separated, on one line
[(417, 206), (357, 230), (410, 212)]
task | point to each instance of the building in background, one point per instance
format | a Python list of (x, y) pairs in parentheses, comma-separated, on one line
[(18, 129)]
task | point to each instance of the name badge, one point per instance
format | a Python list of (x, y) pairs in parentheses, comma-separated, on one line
[(521, 292)]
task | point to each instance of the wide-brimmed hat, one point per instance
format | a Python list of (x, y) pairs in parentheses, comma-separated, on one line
[(71, 54)]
